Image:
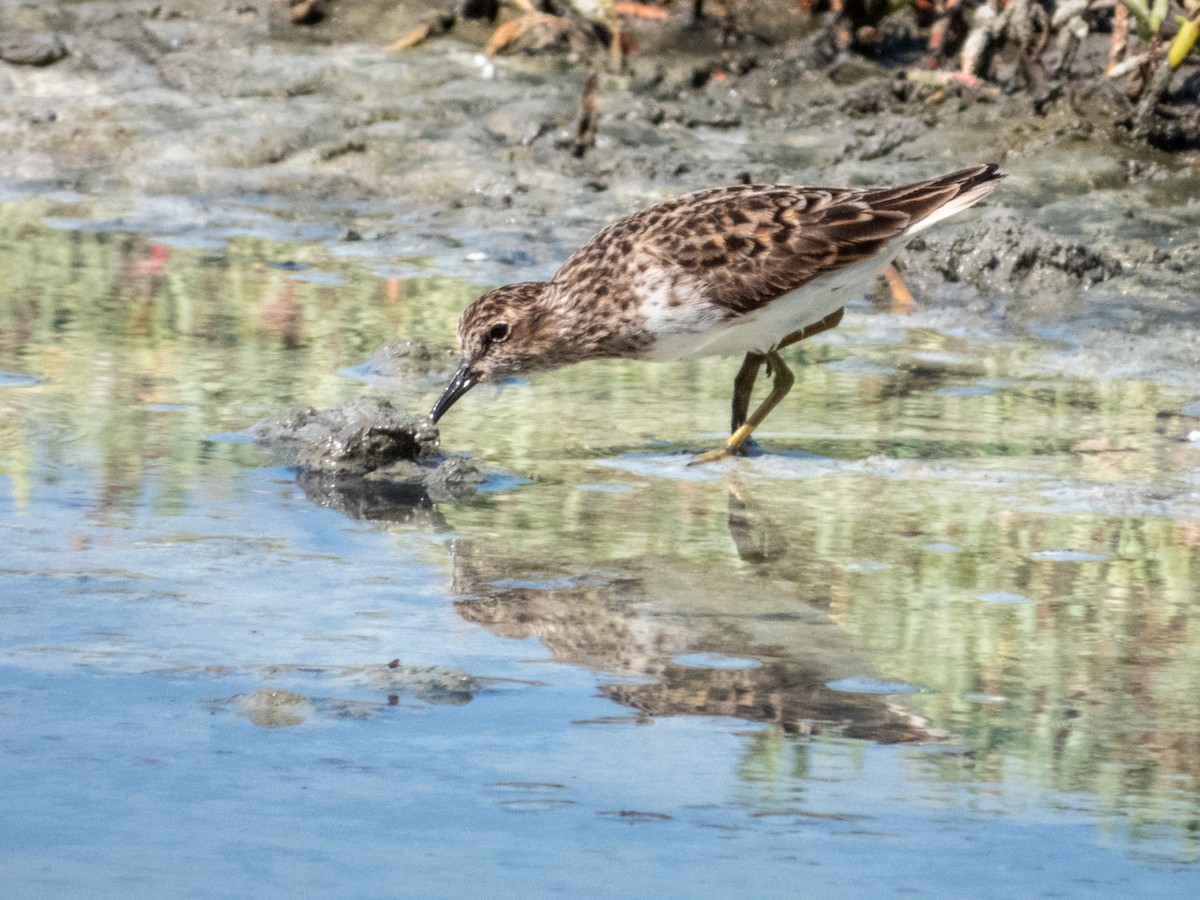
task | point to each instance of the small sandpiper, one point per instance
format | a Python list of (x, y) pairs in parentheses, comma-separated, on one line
[(746, 269)]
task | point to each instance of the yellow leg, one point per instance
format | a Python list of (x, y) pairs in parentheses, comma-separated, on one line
[(830, 321), (902, 298), (743, 387), (744, 426), (782, 383)]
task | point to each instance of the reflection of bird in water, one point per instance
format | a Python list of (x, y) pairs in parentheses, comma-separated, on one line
[(746, 269), (757, 538), (639, 617), (645, 621)]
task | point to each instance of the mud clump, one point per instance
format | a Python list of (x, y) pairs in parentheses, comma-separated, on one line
[(433, 684), (360, 437), (366, 453)]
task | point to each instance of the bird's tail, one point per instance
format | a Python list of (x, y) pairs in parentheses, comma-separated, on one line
[(928, 202)]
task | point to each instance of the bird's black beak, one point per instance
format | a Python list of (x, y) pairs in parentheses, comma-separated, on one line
[(464, 379)]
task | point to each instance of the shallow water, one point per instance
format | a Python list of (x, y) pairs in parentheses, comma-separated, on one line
[(942, 637)]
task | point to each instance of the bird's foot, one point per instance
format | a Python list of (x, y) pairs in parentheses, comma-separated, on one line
[(737, 443), (722, 452), (731, 447)]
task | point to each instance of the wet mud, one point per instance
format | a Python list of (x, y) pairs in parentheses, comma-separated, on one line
[(364, 452), (361, 437), (402, 685)]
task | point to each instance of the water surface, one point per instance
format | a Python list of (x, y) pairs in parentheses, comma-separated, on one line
[(941, 638)]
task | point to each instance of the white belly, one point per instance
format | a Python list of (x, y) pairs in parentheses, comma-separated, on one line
[(703, 334)]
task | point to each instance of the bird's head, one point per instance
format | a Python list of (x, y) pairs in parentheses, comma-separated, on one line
[(503, 333)]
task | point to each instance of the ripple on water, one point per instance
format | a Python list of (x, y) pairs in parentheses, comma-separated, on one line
[(859, 365), (1002, 597), (544, 584), (675, 466), (1068, 555), (17, 379), (328, 279), (536, 805), (965, 390), (867, 565), (190, 241), (715, 661), (169, 407), (864, 684), (773, 465)]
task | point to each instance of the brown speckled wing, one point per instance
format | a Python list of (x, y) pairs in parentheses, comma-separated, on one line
[(750, 244), (748, 247)]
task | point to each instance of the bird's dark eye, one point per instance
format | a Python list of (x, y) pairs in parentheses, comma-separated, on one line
[(499, 332)]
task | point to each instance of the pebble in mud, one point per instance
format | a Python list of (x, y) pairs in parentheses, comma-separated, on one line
[(20, 47)]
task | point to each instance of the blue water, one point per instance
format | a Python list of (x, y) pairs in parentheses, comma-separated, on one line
[(129, 769), (614, 675)]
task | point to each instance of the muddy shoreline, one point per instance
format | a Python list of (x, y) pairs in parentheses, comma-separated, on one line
[(183, 120)]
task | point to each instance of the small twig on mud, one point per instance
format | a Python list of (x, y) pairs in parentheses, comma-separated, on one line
[(585, 130), (621, 42), (538, 31), (434, 26), (507, 34), (616, 49), (639, 10), (1120, 39), (940, 78), (1129, 64), (307, 12)]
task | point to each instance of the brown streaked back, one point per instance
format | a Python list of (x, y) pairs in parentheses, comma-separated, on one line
[(749, 244)]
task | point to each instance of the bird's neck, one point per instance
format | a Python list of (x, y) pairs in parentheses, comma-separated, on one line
[(579, 331)]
